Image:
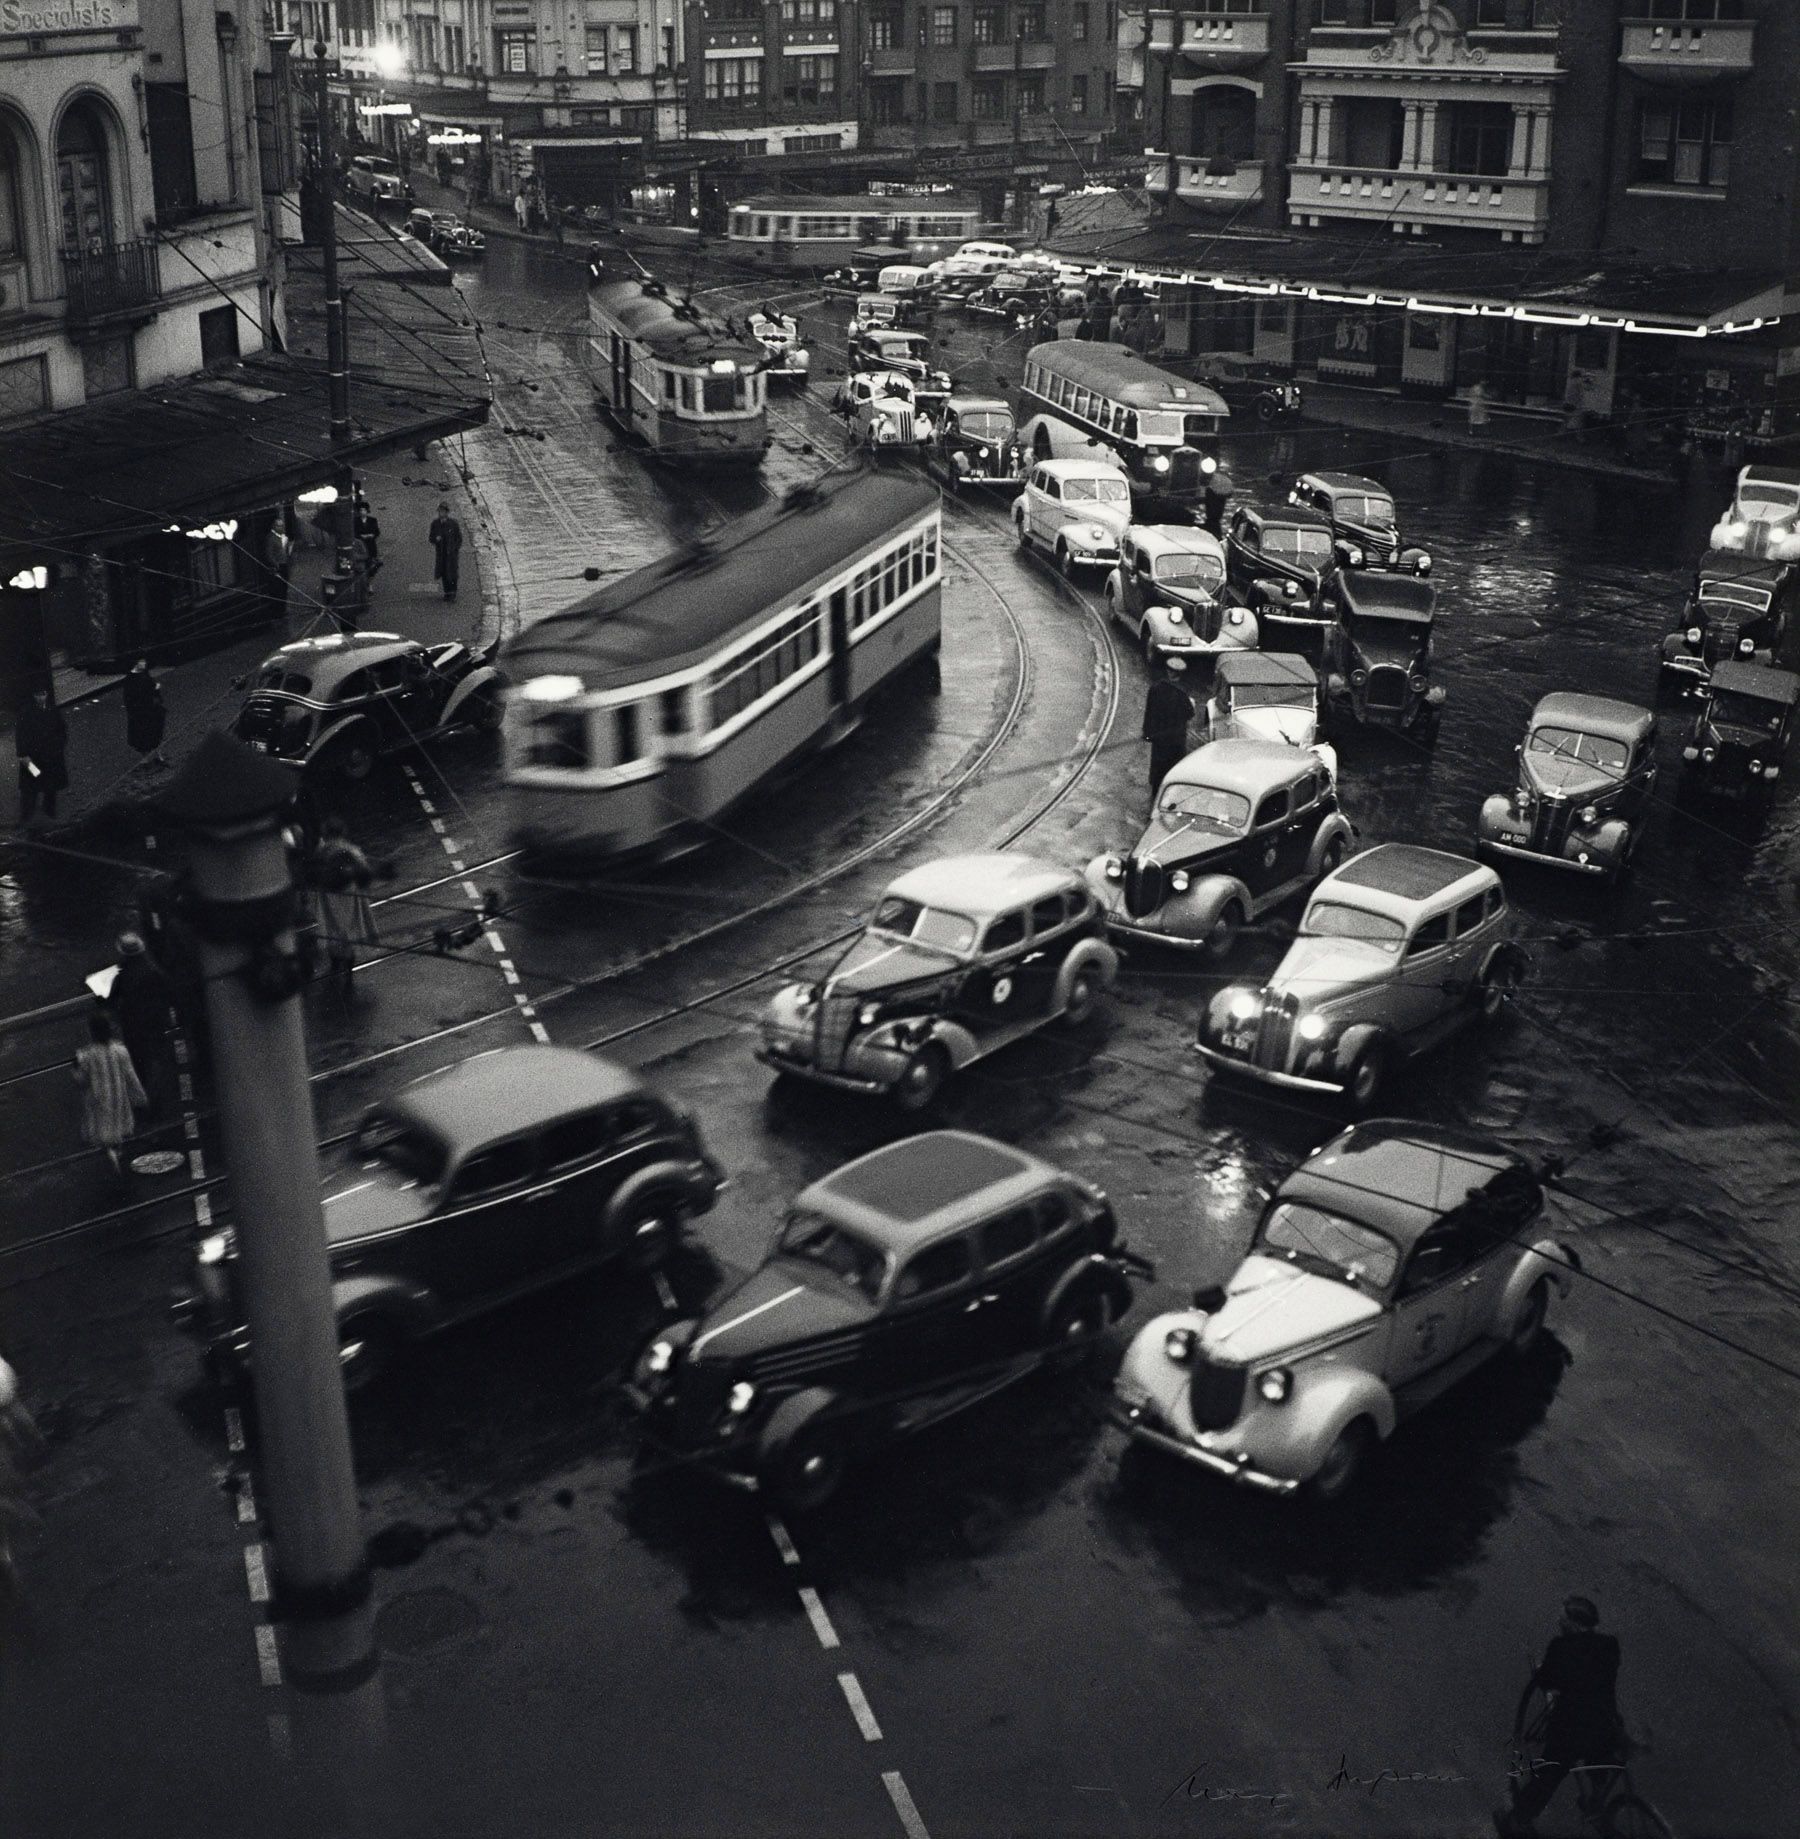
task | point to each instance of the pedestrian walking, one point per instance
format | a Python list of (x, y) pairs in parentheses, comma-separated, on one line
[(41, 741), (277, 560), (367, 527), (1478, 406), (145, 716), (111, 1092), (19, 1441), (1579, 1674), (446, 542), (142, 1003), (521, 210), (555, 213), (340, 876), (1168, 709)]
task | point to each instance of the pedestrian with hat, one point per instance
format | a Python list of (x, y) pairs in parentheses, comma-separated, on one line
[(446, 542), (339, 874), (142, 1004), (41, 741), (145, 716), (1168, 709)]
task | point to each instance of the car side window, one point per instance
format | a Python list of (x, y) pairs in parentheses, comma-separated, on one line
[(1496, 901), (490, 1171), (1009, 1236), (1053, 1213), (1471, 914), (1048, 914), (1008, 930), (577, 1139), (1441, 1253), (1431, 934), (633, 1119), (1306, 793), (938, 1267), (355, 686), (1272, 810)]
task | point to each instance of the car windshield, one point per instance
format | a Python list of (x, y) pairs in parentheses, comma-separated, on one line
[(929, 926), (1205, 569), (1326, 1242), (1207, 806), (411, 1153), (1734, 594), (824, 1245), (1161, 427), (985, 424), (1331, 919), (1295, 544), (1760, 495), (1272, 696), (1730, 710), (1096, 491), (1590, 749)]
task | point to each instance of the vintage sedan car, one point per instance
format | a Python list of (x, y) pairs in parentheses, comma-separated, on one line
[(1388, 1266), (779, 336), (1763, 518), (914, 287), (376, 180), (475, 1185), (1169, 593), (1377, 658), (908, 1285), (455, 239), (1076, 509), (876, 312), (1268, 696), (1587, 768), (1015, 295), (1239, 828), (1251, 388), (1742, 729), (904, 354), (977, 444), (961, 958), (1742, 607), (335, 705), (883, 413), (1398, 950), (1364, 528), (1277, 564)]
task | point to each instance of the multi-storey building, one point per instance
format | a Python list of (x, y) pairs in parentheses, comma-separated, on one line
[(1128, 105), (1574, 202)]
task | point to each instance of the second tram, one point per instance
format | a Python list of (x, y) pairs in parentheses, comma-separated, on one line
[(799, 232), (645, 712), (690, 388)]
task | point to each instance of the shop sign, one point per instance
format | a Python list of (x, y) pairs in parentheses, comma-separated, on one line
[(40, 18)]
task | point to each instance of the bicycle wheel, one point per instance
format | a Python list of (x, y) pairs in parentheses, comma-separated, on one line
[(1630, 1816)]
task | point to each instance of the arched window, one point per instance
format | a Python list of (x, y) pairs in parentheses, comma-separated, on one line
[(12, 231), (81, 180)]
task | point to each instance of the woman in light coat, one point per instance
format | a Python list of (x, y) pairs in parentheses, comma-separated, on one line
[(111, 1093)]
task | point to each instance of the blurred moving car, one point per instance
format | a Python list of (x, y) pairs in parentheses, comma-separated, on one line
[(1587, 767), (1398, 950), (375, 179), (961, 957), (1742, 729), (1169, 591), (1763, 518), (1076, 509), (977, 444), (1387, 1267), (1239, 827), (1742, 607), (1377, 658), (1364, 527), (476, 1185), (904, 1287)]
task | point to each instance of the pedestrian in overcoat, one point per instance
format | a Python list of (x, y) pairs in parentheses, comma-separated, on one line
[(41, 741), (145, 716), (446, 542), (142, 1003), (111, 1093), (1168, 709), (340, 877)]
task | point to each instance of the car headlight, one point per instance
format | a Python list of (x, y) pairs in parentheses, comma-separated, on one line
[(1174, 615), (1179, 1344), (1755, 769), (1275, 1385), (742, 1397), (212, 1249), (1208, 466), (1353, 555), (1242, 1004), (982, 453), (1235, 616), (1290, 588), (1160, 463), (1709, 753), (867, 1015), (1588, 814), (659, 1357), (1417, 683), (1115, 869), (1693, 635), (1311, 1027), (806, 995), (1359, 678), (1423, 564), (1746, 646), (1178, 880)]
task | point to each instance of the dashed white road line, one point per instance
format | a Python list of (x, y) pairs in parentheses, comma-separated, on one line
[(256, 1569), (234, 1430), (860, 1708), (783, 1544), (892, 1780), (815, 1614), (268, 1657)]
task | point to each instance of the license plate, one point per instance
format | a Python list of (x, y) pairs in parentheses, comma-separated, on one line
[(1235, 1041), (1512, 836), (260, 746)]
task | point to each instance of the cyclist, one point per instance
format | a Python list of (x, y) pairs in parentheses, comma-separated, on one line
[(1578, 1673)]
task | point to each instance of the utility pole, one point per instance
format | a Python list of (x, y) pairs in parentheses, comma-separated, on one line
[(232, 807)]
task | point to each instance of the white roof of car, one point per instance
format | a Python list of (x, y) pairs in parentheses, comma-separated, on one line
[(984, 883), (1081, 469), (1249, 767), (1400, 879), (1004, 251), (1177, 539)]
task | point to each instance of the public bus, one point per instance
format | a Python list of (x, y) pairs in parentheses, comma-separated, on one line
[(1079, 395), (798, 232), (644, 713), (673, 377)]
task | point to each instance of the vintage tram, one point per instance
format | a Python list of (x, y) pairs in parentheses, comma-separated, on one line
[(674, 378), (645, 712), (798, 232)]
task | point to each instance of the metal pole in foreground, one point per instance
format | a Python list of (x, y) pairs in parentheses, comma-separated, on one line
[(232, 806)]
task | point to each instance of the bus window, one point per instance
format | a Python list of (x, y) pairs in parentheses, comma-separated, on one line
[(1128, 425)]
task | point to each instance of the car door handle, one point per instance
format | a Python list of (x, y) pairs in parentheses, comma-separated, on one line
[(543, 1194), (978, 1302), (1035, 957)]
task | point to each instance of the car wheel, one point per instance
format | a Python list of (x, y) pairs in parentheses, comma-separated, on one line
[(652, 1232), (486, 712), (1532, 1317), (1149, 654), (1333, 857), (1019, 532), (1368, 1077), (1495, 990), (1075, 1328), (1065, 561), (806, 1469), (1343, 1461), (1084, 992), (1225, 929), (1267, 409), (368, 1346), (355, 761), (923, 1078)]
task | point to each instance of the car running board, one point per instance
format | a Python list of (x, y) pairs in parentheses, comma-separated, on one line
[(917, 1413), (1428, 1386)]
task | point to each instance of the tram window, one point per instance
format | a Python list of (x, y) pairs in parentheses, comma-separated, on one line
[(931, 555), (762, 227), (687, 391), (674, 711), (625, 734), (559, 738), (719, 394), (668, 386), (892, 586)]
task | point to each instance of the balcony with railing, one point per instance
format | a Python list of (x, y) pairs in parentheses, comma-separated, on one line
[(108, 285), (1688, 51), (893, 61), (1516, 207), (1212, 38), (1204, 181)]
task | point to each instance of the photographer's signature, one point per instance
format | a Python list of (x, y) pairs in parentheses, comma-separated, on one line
[(1196, 1785)]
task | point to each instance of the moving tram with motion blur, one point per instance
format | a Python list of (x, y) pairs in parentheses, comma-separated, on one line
[(644, 713)]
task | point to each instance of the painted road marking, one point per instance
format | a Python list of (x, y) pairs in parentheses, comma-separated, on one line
[(665, 1291), (257, 1570), (860, 1708), (246, 1500), (234, 1429), (268, 1656), (815, 1614), (783, 1544), (903, 1805)]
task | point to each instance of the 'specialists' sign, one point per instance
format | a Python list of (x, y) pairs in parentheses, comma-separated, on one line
[(39, 18)]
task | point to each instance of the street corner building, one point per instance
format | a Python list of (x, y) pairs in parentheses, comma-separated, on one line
[(1587, 207), (163, 390)]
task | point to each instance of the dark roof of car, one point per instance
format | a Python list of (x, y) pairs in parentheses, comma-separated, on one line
[(683, 606), (1406, 869), (1734, 565), (907, 1192), (1350, 482), (1623, 721), (1123, 376), (328, 660), (1371, 594), (1776, 475), (510, 1089), (1762, 681), (1402, 1176), (1265, 667), (1303, 516)]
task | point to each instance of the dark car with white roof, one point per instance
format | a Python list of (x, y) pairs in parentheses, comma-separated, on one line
[(1742, 607), (906, 1286)]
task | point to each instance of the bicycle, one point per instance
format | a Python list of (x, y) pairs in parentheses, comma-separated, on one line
[(1608, 1805)]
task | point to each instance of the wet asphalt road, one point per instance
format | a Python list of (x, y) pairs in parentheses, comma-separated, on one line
[(1049, 1642)]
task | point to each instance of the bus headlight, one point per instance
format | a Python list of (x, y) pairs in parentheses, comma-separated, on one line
[(1160, 463), (1208, 466)]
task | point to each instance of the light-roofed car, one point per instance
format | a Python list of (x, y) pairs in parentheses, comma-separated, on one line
[(1078, 510), (1169, 592), (1397, 951), (892, 352), (1763, 518), (1268, 696), (960, 958), (906, 1286), (1387, 1267), (1238, 828), (779, 336)]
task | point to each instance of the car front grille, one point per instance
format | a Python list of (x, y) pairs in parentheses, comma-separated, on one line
[(1550, 823), (1275, 1033), (833, 1019), (1387, 687), (700, 1391), (1143, 887), (1215, 1394), (1720, 641)]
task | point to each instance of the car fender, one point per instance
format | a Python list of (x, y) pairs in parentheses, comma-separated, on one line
[(957, 1041), (1094, 1269), (789, 1418), (1206, 898), (1548, 1260), (658, 1178), (1352, 1042), (338, 732), (1089, 954), (477, 681), (1336, 828), (1507, 955), (1114, 590), (1328, 1397), (1610, 838), (417, 1310), (1496, 809)]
